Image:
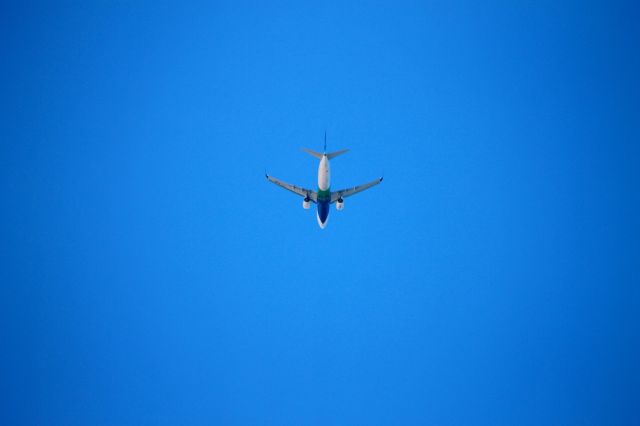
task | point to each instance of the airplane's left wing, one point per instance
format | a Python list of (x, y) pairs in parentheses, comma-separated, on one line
[(344, 193), (303, 192)]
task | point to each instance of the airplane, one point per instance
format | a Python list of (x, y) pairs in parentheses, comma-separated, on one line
[(323, 197)]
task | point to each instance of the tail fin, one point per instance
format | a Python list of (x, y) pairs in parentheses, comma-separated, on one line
[(330, 155), (325, 141)]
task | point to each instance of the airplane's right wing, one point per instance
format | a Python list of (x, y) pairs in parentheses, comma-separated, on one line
[(344, 193), (303, 192)]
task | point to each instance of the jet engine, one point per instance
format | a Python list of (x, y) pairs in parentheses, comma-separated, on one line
[(306, 203), (340, 204)]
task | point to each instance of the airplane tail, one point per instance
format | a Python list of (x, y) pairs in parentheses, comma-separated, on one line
[(329, 156)]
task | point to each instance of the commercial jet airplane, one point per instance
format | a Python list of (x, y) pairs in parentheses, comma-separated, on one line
[(324, 197)]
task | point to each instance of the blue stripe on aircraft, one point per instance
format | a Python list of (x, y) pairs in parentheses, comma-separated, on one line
[(323, 210)]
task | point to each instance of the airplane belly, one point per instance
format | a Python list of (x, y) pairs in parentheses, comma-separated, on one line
[(324, 173), (323, 213)]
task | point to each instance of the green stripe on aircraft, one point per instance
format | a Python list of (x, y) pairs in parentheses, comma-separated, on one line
[(324, 195)]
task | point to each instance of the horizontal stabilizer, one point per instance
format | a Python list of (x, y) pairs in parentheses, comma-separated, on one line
[(335, 154), (319, 156), (315, 154)]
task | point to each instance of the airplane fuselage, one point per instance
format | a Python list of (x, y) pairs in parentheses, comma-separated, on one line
[(324, 191)]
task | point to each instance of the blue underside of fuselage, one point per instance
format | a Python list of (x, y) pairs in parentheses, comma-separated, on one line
[(323, 210)]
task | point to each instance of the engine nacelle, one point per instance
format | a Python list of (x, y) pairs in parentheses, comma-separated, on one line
[(340, 204), (306, 203)]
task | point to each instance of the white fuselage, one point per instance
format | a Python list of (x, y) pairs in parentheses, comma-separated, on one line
[(324, 174), (324, 193)]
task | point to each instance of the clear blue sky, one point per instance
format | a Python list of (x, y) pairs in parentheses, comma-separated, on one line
[(151, 275)]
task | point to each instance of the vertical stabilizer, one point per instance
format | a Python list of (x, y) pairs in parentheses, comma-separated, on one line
[(325, 141)]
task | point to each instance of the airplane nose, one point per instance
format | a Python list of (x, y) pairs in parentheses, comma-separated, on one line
[(323, 214), (321, 223)]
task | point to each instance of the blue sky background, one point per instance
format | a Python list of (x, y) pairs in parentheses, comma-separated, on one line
[(151, 275)]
